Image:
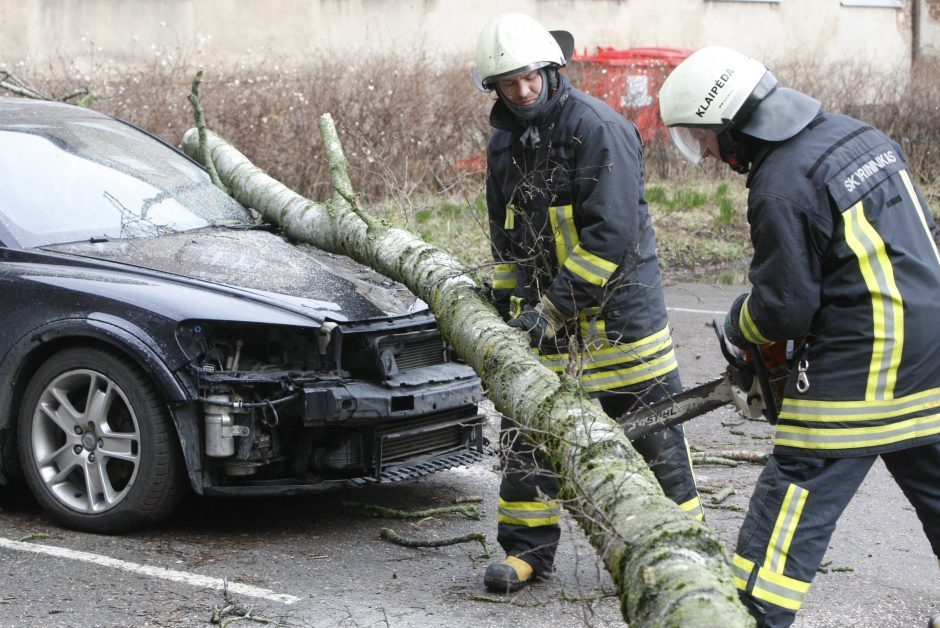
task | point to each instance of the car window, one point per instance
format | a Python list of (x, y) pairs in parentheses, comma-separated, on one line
[(101, 179)]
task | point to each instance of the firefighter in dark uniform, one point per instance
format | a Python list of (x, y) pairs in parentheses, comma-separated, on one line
[(576, 268), (844, 255)]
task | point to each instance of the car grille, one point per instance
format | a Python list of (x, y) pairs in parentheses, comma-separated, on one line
[(415, 352), (426, 435)]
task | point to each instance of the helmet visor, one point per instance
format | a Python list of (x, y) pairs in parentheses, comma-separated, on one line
[(691, 142)]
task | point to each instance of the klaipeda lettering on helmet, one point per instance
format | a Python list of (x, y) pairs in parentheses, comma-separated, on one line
[(869, 168), (712, 92)]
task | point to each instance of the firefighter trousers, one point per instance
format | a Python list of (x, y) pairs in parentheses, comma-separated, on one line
[(793, 513), (527, 523)]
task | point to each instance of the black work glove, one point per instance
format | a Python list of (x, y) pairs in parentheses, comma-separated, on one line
[(534, 322), (732, 331), (541, 322)]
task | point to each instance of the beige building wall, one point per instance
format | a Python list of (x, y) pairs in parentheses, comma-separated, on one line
[(291, 31), (930, 29)]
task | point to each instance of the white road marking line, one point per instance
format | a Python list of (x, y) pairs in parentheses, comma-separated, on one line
[(682, 309), (195, 580)]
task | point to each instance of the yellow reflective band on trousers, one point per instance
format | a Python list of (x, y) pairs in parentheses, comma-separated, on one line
[(591, 268), (920, 212), (748, 327), (694, 507), (769, 586), (505, 276), (563, 228), (529, 514), (887, 304), (787, 520), (815, 424)]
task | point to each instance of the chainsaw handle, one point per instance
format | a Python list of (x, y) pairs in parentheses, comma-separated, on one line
[(732, 354)]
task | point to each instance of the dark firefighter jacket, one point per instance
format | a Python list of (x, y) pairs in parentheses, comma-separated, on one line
[(568, 220), (844, 254)]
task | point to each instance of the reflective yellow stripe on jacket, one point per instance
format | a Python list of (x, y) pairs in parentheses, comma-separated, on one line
[(920, 211), (858, 424), (748, 327), (619, 365), (505, 276), (880, 418), (529, 514), (887, 304), (564, 230), (588, 266)]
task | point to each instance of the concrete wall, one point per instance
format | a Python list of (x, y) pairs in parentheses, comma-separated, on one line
[(930, 29), (290, 31)]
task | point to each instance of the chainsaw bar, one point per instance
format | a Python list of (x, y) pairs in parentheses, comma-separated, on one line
[(678, 408)]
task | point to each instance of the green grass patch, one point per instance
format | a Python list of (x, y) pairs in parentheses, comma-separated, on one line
[(668, 201)]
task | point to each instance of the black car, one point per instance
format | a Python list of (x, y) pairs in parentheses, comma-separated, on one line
[(155, 335)]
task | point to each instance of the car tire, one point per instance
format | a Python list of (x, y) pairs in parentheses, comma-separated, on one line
[(96, 443)]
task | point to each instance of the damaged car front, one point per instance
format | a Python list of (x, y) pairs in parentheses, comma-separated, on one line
[(155, 331)]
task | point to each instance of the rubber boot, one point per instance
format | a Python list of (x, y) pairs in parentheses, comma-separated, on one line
[(510, 575)]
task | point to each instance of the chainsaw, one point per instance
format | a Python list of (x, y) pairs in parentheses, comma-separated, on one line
[(752, 382)]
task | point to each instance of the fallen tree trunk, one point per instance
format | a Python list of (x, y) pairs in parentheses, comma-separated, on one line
[(669, 569)]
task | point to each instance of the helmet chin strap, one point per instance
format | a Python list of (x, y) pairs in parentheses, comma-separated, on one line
[(736, 150)]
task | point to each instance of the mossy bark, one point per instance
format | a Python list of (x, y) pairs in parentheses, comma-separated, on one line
[(669, 569)]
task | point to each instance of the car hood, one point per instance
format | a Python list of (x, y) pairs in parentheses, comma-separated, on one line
[(297, 277)]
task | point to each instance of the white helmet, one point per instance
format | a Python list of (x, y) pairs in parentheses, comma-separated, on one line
[(512, 43), (716, 89)]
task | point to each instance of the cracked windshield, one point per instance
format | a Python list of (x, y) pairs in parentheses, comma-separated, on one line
[(103, 181)]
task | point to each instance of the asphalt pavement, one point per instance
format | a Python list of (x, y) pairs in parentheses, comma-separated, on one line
[(320, 561)]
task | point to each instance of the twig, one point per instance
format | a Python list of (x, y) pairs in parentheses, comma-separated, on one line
[(732, 507), (723, 494), (468, 499), (204, 155), (232, 612), (479, 597), (33, 536), (604, 593), (730, 458), (703, 459), (393, 537), (509, 599), (471, 511), (755, 457), (16, 85)]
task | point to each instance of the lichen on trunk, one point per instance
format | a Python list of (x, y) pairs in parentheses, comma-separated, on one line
[(669, 569)]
